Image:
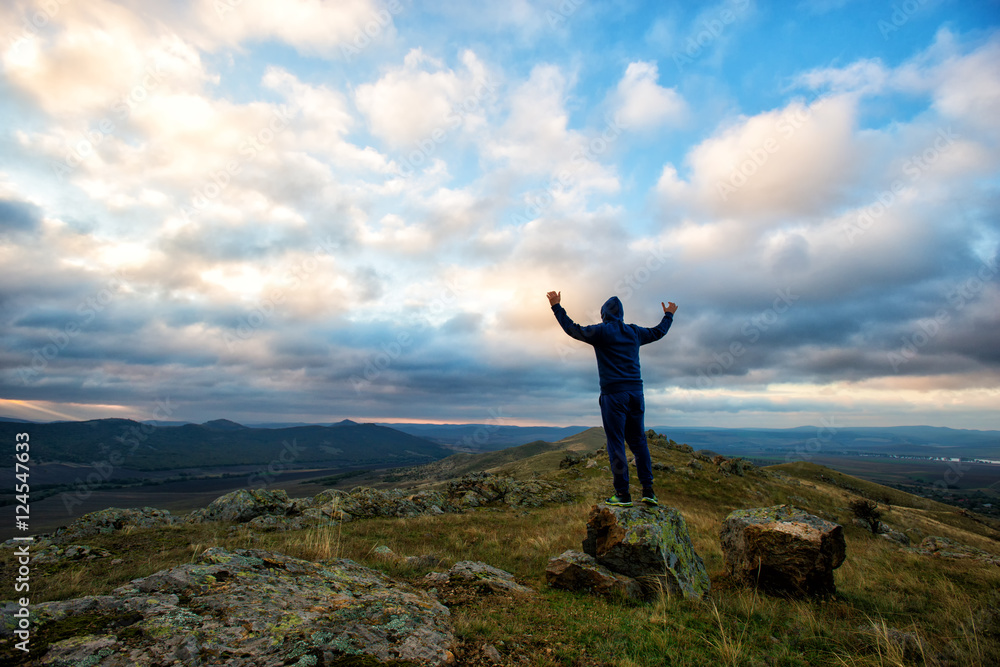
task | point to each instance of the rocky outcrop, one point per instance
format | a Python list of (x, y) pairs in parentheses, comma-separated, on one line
[(112, 519), (782, 549), (243, 505), (942, 547), (55, 553), (264, 510), (483, 488), (425, 560), (246, 608), (735, 466), (576, 571), (648, 543), (480, 576)]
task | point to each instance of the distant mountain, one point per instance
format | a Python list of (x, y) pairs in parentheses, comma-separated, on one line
[(142, 446), (15, 420), (223, 425), (487, 437)]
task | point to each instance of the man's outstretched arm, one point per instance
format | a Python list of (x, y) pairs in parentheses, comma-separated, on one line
[(660, 330), (572, 329)]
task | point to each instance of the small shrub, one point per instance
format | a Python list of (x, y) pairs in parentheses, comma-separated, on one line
[(867, 511)]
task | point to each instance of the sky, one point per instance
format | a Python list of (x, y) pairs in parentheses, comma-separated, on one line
[(311, 211)]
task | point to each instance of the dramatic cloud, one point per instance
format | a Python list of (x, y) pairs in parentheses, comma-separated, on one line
[(355, 209)]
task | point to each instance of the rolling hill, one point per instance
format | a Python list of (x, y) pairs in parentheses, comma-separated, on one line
[(145, 447), (896, 603)]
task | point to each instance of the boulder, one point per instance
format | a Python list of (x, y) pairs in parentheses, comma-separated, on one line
[(736, 466), (243, 505), (649, 543), (266, 523), (425, 560), (109, 520), (782, 549), (483, 488), (247, 608), (576, 571), (486, 578), (942, 547), (483, 578)]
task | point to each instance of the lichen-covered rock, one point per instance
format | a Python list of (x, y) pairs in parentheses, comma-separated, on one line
[(246, 608), (576, 571), (484, 578), (109, 520), (267, 523), (783, 549), (424, 560), (366, 503), (649, 543), (942, 547), (736, 466), (490, 489), (243, 505)]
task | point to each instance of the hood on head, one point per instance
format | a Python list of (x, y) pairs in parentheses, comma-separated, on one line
[(612, 310)]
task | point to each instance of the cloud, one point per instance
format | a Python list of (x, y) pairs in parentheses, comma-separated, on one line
[(312, 27), (642, 103), (536, 141), (786, 162), (267, 213), (864, 76), (408, 105), (98, 58), (18, 216)]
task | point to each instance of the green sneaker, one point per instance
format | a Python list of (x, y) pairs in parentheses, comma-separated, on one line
[(618, 501), (649, 497)]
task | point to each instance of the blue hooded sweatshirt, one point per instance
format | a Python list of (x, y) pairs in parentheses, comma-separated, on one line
[(615, 343)]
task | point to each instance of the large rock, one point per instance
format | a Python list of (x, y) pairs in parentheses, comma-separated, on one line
[(942, 547), (244, 504), (484, 488), (246, 608), (576, 571), (109, 520), (480, 576), (782, 549), (649, 543)]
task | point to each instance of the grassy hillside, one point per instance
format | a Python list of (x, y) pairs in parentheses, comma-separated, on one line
[(893, 606)]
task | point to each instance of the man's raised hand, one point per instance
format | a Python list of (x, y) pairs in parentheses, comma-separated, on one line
[(554, 297), (672, 308)]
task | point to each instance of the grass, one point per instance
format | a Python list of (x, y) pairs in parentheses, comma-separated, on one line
[(892, 607)]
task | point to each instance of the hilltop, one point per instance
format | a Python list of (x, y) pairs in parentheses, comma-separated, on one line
[(896, 604)]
